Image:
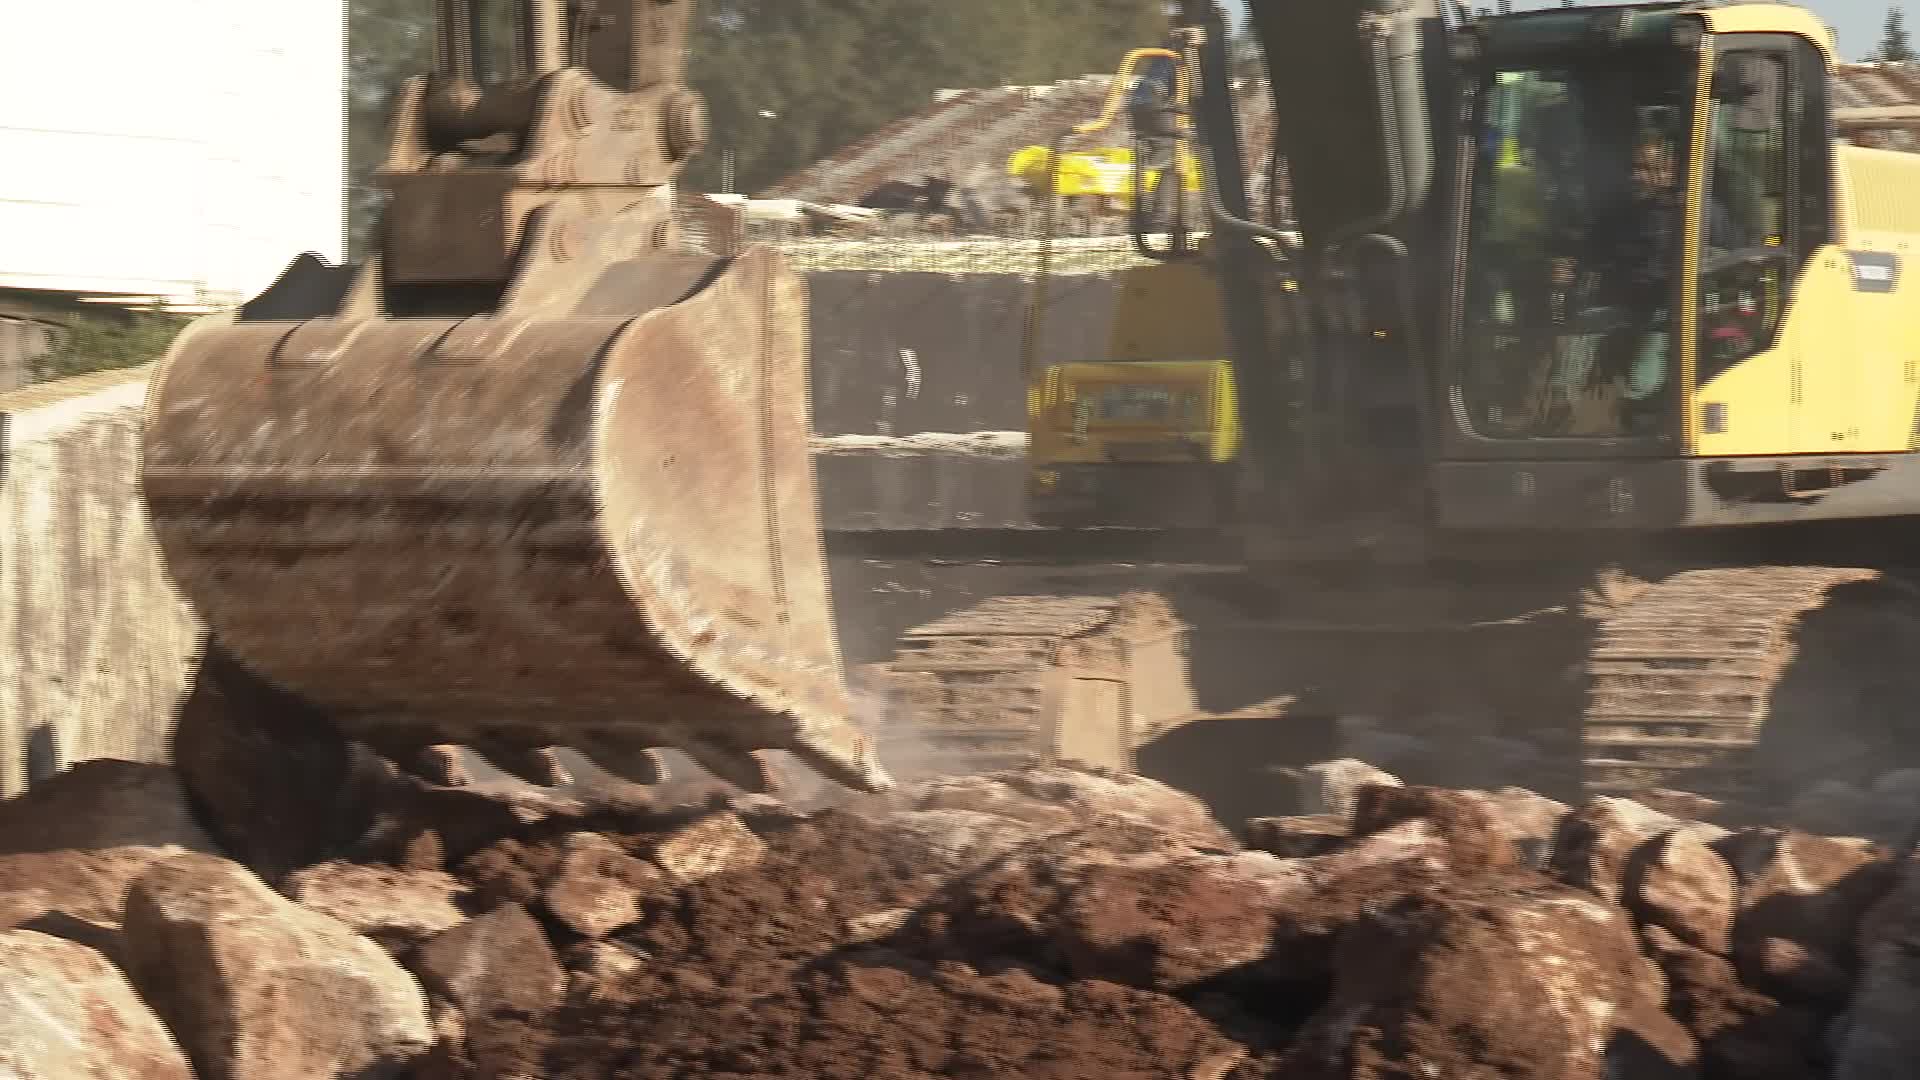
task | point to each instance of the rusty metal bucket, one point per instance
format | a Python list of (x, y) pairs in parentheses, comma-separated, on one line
[(595, 529)]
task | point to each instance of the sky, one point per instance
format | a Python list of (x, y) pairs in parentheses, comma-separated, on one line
[(1857, 22)]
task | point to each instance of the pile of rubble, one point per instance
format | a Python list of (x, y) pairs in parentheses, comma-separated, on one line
[(273, 908)]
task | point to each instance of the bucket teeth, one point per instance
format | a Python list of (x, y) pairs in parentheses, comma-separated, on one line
[(747, 770), (647, 768), (600, 762), (445, 765), (537, 765)]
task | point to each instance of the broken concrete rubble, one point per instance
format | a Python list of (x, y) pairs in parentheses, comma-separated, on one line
[(1594, 842), (1298, 837), (1050, 796), (1515, 977), (1530, 820), (500, 978), (1742, 1033), (714, 845), (598, 888), (255, 986), (1813, 890), (1333, 787), (396, 908), (1037, 922), (1676, 882), (1170, 922), (69, 851), (66, 1013), (1465, 821)]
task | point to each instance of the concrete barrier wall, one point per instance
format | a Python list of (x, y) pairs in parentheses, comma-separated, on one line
[(95, 644), (23, 340), (882, 492), (903, 353)]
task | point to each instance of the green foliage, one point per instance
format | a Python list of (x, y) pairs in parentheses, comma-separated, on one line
[(837, 70), (832, 71), (1894, 46), (104, 342), (388, 41)]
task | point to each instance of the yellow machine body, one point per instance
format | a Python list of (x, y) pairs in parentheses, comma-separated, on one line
[(1150, 431), (1842, 372), (1791, 360), (1106, 172)]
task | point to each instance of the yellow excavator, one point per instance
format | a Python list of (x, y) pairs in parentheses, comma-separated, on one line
[(1107, 170), (1144, 435), (531, 476), (1147, 434), (1587, 398)]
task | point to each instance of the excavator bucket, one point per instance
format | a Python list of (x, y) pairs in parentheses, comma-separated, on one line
[(534, 475), (595, 529)]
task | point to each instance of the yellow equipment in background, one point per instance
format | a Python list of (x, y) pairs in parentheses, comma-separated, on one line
[(1150, 434), (1103, 172), (1106, 172)]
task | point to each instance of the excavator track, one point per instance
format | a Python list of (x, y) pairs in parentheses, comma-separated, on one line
[(1681, 677), (1021, 679)]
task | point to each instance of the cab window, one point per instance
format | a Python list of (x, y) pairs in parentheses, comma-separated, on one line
[(1748, 175), (1574, 247), (1746, 262)]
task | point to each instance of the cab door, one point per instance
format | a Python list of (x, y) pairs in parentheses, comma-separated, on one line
[(1774, 370), (1828, 415)]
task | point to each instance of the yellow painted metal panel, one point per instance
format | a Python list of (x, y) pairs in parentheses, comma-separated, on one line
[(1771, 19), (1885, 358), (1756, 400), (1168, 311), (1686, 343), (1886, 191), (1820, 332)]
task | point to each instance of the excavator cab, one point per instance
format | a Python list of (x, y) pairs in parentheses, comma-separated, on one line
[(1671, 336), (1580, 288), (532, 475), (1584, 269)]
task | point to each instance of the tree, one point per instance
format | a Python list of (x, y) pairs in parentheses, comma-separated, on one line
[(109, 340), (1894, 46), (387, 41), (829, 71), (837, 70)]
